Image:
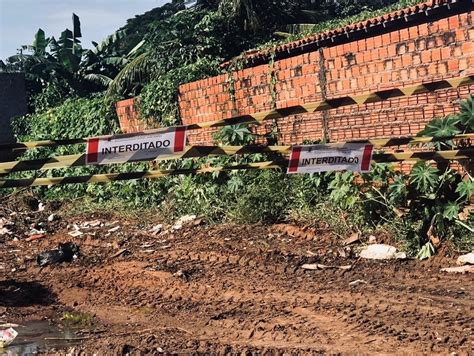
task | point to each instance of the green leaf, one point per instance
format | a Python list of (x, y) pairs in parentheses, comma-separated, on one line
[(66, 40), (466, 115), (441, 127), (465, 189), (450, 210), (76, 26), (54, 45), (424, 177), (426, 251), (398, 189), (444, 127), (100, 79), (69, 60), (136, 48), (39, 43)]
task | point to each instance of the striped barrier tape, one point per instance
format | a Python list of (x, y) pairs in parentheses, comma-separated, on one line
[(256, 118), (111, 177), (203, 151)]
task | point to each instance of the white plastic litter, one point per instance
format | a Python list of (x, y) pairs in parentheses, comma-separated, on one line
[(7, 336), (467, 259), (182, 221), (379, 252)]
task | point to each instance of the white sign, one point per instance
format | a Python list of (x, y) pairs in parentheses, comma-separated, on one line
[(354, 157), (135, 148)]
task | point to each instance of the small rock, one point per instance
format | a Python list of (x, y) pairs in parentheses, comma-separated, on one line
[(467, 259), (379, 252)]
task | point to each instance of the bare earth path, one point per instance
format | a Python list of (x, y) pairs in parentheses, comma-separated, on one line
[(237, 289)]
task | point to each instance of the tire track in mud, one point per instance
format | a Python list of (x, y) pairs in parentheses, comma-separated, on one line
[(275, 312), (250, 295)]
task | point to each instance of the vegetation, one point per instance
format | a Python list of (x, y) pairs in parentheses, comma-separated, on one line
[(72, 92)]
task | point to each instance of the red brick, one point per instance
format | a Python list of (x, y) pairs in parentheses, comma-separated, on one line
[(423, 29), (467, 47), (445, 53), (453, 22), (436, 54), (404, 34), (370, 43)]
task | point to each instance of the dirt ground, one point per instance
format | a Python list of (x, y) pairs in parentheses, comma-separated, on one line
[(228, 289)]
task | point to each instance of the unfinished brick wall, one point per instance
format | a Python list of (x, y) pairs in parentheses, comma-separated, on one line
[(420, 53), (130, 119)]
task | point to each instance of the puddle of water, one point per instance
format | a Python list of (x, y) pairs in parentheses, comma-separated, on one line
[(39, 336)]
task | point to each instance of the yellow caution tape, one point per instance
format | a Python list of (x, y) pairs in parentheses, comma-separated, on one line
[(203, 151), (111, 177)]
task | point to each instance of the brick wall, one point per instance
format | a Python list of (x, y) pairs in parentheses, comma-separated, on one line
[(423, 52), (129, 117)]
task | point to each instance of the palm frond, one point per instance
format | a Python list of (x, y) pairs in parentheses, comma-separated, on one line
[(138, 70), (99, 79)]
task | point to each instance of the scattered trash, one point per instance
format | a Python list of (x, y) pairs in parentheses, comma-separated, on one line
[(351, 239), (3, 226), (186, 218), (121, 252), (372, 239), (182, 221), (41, 207), (65, 253), (4, 231), (35, 237), (467, 259), (316, 266), (115, 222), (52, 217), (9, 325), (75, 233), (460, 269), (197, 222), (401, 256), (114, 229), (90, 224), (155, 230), (379, 252), (7, 336), (34, 231), (357, 281)]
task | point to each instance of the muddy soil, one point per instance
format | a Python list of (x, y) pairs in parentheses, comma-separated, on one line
[(228, 289)]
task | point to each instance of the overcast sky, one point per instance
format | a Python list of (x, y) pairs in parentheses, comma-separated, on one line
[(20, 19)]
